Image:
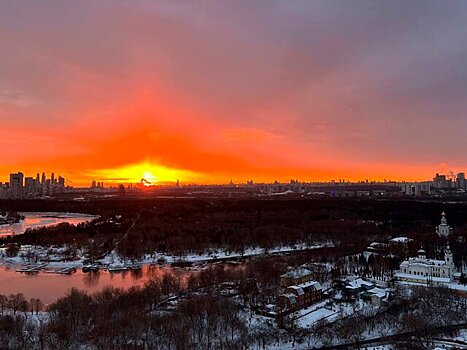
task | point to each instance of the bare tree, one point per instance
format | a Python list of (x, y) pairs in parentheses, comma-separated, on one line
[(3, 302), (17, 302)]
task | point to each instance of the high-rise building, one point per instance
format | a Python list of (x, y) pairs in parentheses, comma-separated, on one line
[(121, 191), (28, 182), (440, 181), (16, 185), (43, 179), (47, 188), (61, 181), (416, 188), (31, 187), (461, 181)]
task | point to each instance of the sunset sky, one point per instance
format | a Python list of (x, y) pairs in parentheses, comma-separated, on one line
[(205, 91)]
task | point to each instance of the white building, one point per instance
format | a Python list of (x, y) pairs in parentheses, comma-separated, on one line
[(423, 270), (416, 188), (443, 230)]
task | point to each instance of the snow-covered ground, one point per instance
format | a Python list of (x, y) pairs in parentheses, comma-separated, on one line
[(450, 285), (323, 313), (53, 256)]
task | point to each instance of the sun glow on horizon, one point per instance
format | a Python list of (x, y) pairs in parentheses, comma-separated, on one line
[(150, 172), (149, 178)]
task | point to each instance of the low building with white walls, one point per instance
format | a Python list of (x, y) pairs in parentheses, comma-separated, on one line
[(420, 269)]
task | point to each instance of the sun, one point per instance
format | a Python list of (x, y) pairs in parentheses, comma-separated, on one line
[(134, 173), (149, 177)]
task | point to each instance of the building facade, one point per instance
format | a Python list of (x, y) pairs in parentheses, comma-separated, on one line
[(300, 296), (16, 185), (297, 276), (422, 270), (443, 230)]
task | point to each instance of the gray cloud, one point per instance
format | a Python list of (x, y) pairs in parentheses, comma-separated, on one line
[(382, 79)]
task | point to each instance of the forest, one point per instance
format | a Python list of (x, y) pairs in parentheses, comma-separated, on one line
[(180, 226), (168, 313)]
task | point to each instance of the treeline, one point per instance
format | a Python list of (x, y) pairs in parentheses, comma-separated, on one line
[(419, 313), (17, 302), (179, 226), (209, 310), (167, 313)]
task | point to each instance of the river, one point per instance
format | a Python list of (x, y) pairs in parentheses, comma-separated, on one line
[(36, 219), (48, 287)]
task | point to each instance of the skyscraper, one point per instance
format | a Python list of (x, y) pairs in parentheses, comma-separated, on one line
[(460, 180), (16, 185), (30, 187)]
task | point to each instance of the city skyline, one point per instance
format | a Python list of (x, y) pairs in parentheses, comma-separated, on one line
[(205, 92), (153, 178), (440, 180), (233, 174)]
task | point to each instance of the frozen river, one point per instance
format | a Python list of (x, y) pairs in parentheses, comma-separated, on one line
[(48, 287), (33, 220)]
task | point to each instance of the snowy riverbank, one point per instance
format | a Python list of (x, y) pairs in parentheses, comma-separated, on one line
[(54, 257)]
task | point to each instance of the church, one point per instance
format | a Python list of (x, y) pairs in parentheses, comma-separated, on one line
[(422, 270), (443, 230)]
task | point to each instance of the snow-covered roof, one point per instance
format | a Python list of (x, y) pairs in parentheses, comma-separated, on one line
[(378, 292), (377, 245), (423, 262), (358, 283), (316, 285), (301, 288), (298, 289), (401, 239), (292, 299), (297, 273)]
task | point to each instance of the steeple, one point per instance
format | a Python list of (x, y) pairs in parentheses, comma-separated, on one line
[(448, 255), (421, 253), (443, 230), (443, 218)]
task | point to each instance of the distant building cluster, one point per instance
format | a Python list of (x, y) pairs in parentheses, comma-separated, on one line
[(439, 186), (98, 184), (450, 181), (441, 183), (21, 187)]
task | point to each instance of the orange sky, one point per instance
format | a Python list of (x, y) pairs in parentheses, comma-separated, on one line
[(205, 92)]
